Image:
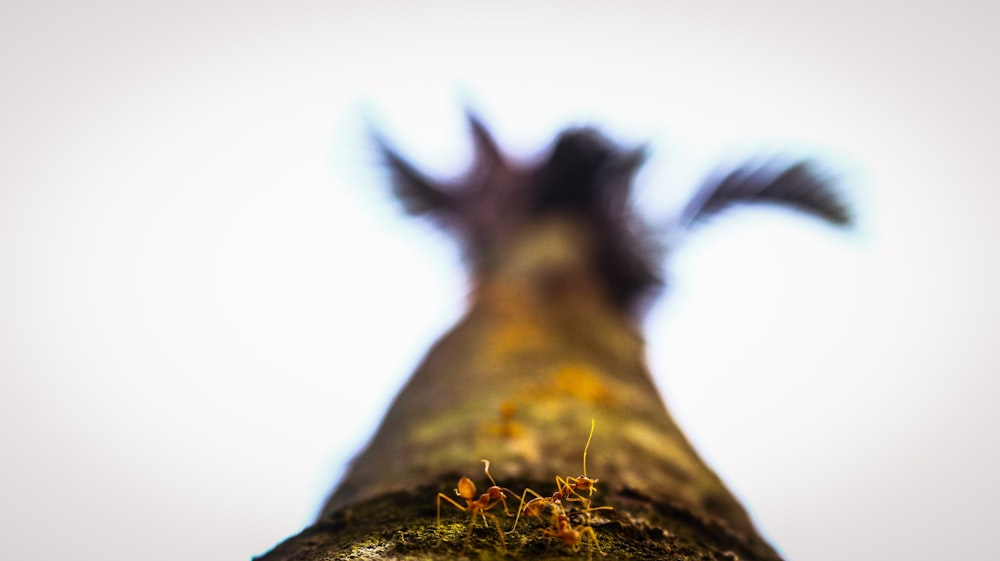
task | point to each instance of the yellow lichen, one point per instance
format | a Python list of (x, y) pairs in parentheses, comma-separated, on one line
[(582, 383), (570, 383)]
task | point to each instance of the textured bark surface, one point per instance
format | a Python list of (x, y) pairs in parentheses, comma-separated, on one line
[(549, 348), (403, 526)]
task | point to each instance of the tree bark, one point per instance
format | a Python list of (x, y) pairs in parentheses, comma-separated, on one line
[(532, 425), (544, 383)]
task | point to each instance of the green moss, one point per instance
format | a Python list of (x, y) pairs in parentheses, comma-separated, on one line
[(402, 526)]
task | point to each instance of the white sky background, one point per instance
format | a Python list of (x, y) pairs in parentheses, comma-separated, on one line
[(207, 298)]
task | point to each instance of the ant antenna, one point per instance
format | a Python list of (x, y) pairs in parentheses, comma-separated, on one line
[(587, 447), (487, 470)]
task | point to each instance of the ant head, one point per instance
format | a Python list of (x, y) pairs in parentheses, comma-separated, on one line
[(466, 489), (584, 483), (496, 493)]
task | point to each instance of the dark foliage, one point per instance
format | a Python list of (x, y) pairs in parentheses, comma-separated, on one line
[(587, 177)]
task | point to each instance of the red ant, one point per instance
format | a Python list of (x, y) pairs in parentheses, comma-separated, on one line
[(488, 500), (572, 536), (571, 485), (569, 489)]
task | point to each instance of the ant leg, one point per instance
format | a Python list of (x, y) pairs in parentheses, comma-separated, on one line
[(472, 524), (585, 513), (450, 500), (468, 533), (504, 500), (524, 505), (593, 538), (496, 521)]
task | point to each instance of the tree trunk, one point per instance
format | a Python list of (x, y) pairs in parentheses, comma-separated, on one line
[(545, 377), (519, 385)]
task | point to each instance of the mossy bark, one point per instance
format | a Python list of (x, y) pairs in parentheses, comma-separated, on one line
[(403, 526)]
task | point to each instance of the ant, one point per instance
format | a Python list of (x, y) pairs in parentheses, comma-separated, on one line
[(562, 528), (570, 535), (477, 506), (569, 489), (571, 485)]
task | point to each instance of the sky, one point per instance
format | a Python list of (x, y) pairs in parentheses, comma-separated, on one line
[(208, 298)]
